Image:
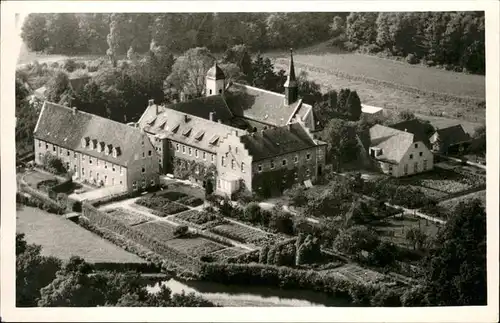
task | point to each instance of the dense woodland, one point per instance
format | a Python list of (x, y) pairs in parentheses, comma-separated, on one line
[(455, 40)]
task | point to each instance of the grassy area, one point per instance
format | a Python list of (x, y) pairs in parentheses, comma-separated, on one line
[(452, 203), (128, 217), (239, 232), (33, 178), (223, 254), (194, 246), (395, 85), (62, 238)]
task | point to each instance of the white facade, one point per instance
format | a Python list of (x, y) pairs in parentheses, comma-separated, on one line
[(417, 159), (213, 86)]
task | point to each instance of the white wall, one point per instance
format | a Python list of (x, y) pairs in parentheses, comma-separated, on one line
[(419, 160)]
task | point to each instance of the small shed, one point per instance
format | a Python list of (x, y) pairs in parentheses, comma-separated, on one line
[(371, 112)]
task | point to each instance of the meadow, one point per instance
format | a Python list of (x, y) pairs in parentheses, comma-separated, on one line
[(62, 238)]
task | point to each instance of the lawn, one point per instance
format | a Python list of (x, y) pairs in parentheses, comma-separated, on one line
[(33, 178), (239, 233), (194, 246), (62, 238), (128, 217), (452, 203), (398, 86), (394, 229)]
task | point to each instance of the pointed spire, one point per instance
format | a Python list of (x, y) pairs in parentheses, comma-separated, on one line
[(291, 81)]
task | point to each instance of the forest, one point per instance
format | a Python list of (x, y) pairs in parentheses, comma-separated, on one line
[(455, 40)]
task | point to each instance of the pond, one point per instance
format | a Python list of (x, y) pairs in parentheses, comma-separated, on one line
[(251, 295)]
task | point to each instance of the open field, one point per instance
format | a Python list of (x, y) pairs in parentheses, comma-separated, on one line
[(451, 203), (62, 238), (239, 233), (128, 217)]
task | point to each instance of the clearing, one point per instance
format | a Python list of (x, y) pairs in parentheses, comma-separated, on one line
[(62, 238)]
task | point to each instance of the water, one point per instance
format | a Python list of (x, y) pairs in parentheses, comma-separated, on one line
[(238, 295)]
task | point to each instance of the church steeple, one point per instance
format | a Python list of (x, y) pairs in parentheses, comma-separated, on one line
[(291, 90)]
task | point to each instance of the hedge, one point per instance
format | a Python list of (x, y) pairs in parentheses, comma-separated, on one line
[(102, 219), (114, 198), (40, 200), (287, 278)]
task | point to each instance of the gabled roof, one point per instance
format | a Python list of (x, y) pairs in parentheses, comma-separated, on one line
[(394, 143), (277, 141), (201, 107), (453, 135), (192, 126), (261, 105), (415, 127), (58, 125)]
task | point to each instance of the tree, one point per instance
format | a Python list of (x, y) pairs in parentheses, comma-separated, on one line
[(264, 76), (383, 255), (337, 27), (34, 32), (33, 271), (56, 86), (252, 212), (239, 55), (297, 195), (417, 237), (189, 71), (456, 265), (342, 142), (181, 230), (332, 201), (309, 91), (356, 239), (281, 221), (53, 163), (63, 32)]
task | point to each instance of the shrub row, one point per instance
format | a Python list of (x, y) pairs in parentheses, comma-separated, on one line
[(40, 200), (102, 219), (287, 278), (245, 258), (114, 198)]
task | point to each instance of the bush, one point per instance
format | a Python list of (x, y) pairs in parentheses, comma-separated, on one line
[(70, 65), (412, 59), (252, 212), (181, 230), (53, 164)]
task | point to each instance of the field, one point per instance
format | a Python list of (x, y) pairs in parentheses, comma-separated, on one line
[(62, 238), (194, 246), (161, 231), (450, 204), (396, 85), (128, 217), (239, 232)]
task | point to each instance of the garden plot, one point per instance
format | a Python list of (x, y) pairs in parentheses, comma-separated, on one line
[(394, 229), (161, 231), (223, 254), (239, 233), (199, 219), (452, 203), (162, 205), (356, 273), (128, 217), (194, 246)]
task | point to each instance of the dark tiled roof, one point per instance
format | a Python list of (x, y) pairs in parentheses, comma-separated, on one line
[(261, 105), (201, 107), (453, 135), (216, 72), (58, 125), (415, 127), (277, 141)]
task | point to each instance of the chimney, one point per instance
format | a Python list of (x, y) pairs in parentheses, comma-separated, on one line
[(289, 126), (219, 121), (235, 132), (186, 118), (211, 116), (406, 130), (74, 110), (262, 132), (151, 102)]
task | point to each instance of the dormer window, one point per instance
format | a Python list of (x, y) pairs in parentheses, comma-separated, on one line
[(109, 149), (116, 152), (85, 142), (94, 144), (100, 146)]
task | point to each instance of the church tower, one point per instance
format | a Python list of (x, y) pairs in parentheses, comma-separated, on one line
[(215, 81), (291, 90)]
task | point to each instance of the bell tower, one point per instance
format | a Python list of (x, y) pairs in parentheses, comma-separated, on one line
[(215, 81), (291, 89)]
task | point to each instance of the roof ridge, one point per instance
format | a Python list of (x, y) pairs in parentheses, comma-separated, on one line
[(259, 89), (200, 118)]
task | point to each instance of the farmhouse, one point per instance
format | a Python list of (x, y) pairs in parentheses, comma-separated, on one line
[(255, 139), (399, 152), (449, 140), (97, 150)]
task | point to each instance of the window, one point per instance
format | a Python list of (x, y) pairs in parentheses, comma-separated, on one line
[(272, 164), (425, 164), (143, 170), (83, 171), (204, 156), (222, 161), (90, 173), (411, 156), (61, 151), (97, 175), (196, 153), (213, 158), (113, 167), (218, 183), (67, 153), (242, 167), (40, 156), (39, 144), (90, 160), (211, 93), (149, 152), (159, 149), (406, 169), (106, 165), (284, 162), (83, 157), (190, 151), (143, 183), (197, 169), (106, 179), (233, 164), (415, 167), (143, 155), (159, 161), (220, 91), (416, 145), (183, 149), (134, 185), (296, 159), (97, 162), (177, 147), (420, 154), (152, 182), (260, 168), (236, 150), (121, 182), (74, 155), (308, 156), (113, 181), (142, 142), (53, 148), (74, 168)]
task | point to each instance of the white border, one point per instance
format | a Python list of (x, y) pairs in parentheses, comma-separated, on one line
[(333, 314)]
